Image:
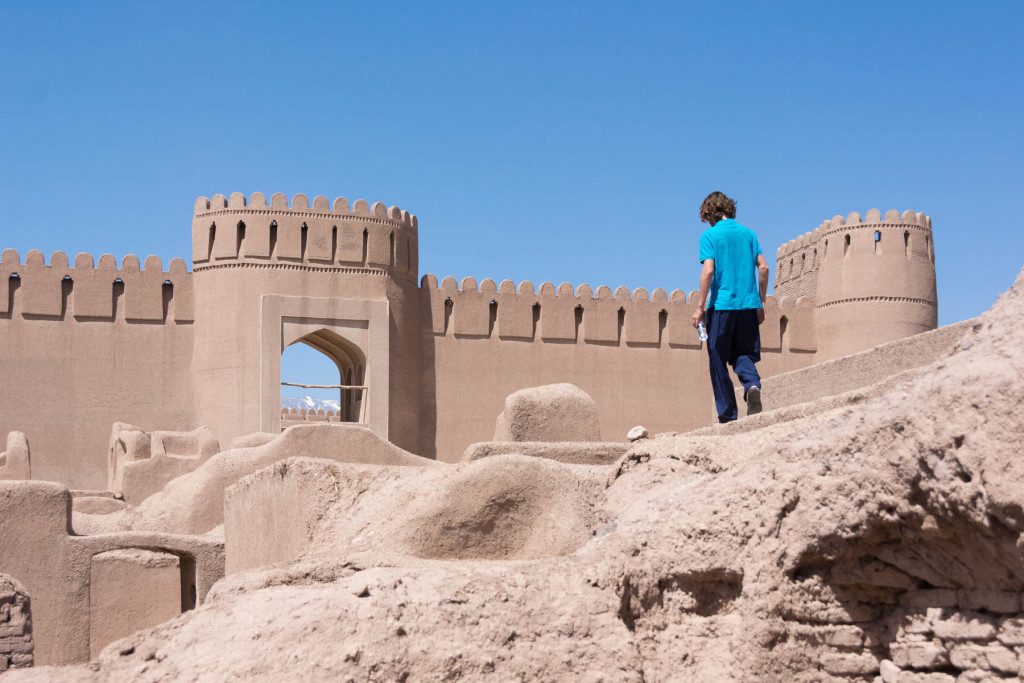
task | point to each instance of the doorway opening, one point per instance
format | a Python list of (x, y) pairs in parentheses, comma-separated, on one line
[(323, 379)]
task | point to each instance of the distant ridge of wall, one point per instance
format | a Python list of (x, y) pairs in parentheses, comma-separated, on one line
[(322, 236), (95, 291), (580, 315)]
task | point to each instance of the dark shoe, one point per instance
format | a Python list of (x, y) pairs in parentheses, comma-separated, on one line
[(753, 400)]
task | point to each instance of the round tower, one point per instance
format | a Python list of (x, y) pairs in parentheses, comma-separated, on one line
[(341, 278), (876, 281)]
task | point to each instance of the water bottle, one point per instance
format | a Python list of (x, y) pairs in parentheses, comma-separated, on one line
[(702, 333)]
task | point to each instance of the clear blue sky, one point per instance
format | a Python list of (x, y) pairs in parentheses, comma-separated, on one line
[(562, 141)]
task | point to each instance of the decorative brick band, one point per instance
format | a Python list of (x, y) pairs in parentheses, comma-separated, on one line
[(894, 299), (873, 226), (353, 270), (301, 214)]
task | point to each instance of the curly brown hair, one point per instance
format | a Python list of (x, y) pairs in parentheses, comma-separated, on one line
[(716, 205)]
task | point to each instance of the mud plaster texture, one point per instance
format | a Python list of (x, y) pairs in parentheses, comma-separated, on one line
[(874, 540)]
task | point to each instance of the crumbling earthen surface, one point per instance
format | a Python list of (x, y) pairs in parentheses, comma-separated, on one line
[(870, 540)]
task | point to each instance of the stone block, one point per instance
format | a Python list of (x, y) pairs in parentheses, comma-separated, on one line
[(9, 631), (19, 644), (850, 664), (1002, 659), (1002, 602), (965, 626), (974, 676), (973, 656), (924, 677), (917, 624), (888, 671), (554, 412), (919, 655), (831, 613), (20, 661), (1011, 632), (872, 573), (637, 433), (845, 636), (938, 597)]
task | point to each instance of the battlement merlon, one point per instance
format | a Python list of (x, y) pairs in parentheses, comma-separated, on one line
[(87, 290), (323, 235), (873, 219)]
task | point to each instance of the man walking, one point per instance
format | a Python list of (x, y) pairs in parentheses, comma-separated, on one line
[(733, 284)]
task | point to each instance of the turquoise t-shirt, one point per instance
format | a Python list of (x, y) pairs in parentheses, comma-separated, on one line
[(734, 249)]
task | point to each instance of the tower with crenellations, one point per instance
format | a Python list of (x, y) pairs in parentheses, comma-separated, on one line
[(340, 278), (872, 279)]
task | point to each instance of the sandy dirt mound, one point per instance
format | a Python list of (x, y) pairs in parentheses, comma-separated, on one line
[(873, 539), (511, 507), (507, 507)]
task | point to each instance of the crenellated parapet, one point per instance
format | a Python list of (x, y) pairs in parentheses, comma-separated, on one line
[(89, 290), (582, 315), (873, 237), (872, 278), (236, 231)]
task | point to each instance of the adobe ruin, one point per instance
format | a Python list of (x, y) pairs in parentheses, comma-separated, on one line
[(471, 513)]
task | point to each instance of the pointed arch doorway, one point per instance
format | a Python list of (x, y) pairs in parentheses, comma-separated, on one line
[(347, 384), (352, 333)]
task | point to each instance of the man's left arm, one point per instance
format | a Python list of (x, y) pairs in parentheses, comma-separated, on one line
[(762, 285)]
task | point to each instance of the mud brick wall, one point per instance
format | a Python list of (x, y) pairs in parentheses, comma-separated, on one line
[(884, 633), (15, 625)]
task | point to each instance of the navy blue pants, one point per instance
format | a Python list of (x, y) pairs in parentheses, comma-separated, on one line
[(734, 338)]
